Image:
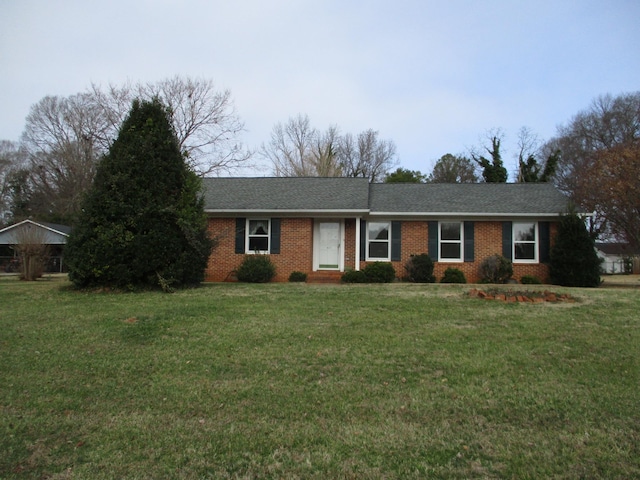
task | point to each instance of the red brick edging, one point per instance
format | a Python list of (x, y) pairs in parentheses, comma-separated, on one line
[(520, 297)]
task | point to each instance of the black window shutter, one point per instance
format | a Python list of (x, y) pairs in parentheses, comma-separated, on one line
[(507, 240), (396, 241), (363, 240), (433, 240), (469, 241), (275, 236), (241, 225), (545, 241)]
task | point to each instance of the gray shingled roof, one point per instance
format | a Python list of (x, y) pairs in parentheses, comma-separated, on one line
[(53, 233), (357, 195), (472, 198), (286, 194)]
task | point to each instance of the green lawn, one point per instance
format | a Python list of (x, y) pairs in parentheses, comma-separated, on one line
[(327, 381)]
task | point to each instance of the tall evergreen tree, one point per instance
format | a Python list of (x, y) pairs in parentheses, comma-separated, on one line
[(530, 171), (493, 171), (142, 223), (574, 261), (453, 169), (404, 175)]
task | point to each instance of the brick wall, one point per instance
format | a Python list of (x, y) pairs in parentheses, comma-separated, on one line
[(487, 242), (296, 247)]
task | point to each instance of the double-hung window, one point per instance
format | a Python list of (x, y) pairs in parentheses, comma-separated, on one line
[(525, 242), (258, 235), (450, 241), (378, 240)]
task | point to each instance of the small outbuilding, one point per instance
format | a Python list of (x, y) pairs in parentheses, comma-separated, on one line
[(52, 235), (618, 258)]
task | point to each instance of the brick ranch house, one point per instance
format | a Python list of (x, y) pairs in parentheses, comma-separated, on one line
[(324, 226)]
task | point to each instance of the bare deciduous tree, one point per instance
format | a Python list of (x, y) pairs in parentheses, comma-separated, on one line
[(66, 136), (530, 169), (289, 148), (298, 149), (62, 138), (367, 156), (325, 153), (205, 119), (611, 186), (609, 122), (12, 161), (30, 243)]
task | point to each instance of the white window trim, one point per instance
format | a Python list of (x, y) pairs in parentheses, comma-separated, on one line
[(378, 259), (460, 259), (247, 236), (536, 243)]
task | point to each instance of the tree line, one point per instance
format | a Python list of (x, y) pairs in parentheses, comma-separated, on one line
[(46, 174), (594, 158)]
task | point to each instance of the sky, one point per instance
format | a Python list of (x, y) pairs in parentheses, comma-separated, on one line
[(435, 77)]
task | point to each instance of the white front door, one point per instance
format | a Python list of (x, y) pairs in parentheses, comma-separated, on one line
[(328, 243)]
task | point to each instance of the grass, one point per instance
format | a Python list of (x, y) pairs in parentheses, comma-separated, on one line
[(303, 381)]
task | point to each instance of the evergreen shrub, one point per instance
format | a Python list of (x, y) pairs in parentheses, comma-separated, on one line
[(453, 275), (574, 261), (496, 269), (354, 276), (530, 280), (142, 223), (379, 272), (298, 277), (419, 269), (256, 269)]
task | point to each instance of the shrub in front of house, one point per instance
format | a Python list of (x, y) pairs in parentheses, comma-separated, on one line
[(496, 269), (354, 276), (453, 275), (298, 277), (379, 272), (530, 280), (142, 223), (256, 269), (574, 261), (419, 269)]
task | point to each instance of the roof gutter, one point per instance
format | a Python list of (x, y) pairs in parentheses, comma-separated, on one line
[(286, 211), (464, 214)]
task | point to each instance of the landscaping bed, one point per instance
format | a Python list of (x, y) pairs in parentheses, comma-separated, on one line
[(514, 296)]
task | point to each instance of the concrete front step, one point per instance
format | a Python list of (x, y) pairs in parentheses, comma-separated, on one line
[(324, 276)]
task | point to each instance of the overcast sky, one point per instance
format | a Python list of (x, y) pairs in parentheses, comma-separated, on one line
[(433, 76)]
